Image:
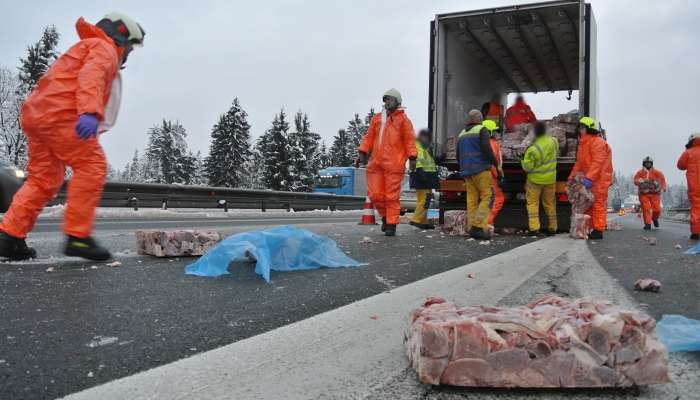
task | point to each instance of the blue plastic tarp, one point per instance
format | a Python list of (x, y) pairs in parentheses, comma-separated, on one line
[(693, 250), (283, 248), (679, 333)]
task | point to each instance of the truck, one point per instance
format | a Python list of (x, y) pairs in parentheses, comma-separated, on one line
[(530, 48), (351, 181)]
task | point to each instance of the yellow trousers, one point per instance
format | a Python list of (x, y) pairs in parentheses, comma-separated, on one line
[(420, 215), (478, 199), (547, 193)]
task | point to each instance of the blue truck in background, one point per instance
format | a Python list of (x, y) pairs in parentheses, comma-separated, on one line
[(348, 181), (351, 181)]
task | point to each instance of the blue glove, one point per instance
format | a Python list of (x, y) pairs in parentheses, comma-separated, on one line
[(86, 126), (587, 183)]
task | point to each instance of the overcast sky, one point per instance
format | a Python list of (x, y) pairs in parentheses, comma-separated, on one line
[(332, 59)]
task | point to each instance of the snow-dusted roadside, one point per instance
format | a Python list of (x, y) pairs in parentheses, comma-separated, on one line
[(154, 213)]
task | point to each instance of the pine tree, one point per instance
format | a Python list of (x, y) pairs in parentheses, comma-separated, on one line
[(303, 154), (274, 147), (230, 148), (356, 131), (200, 174), (324, 158), (340, 154), (40, 56), (256, 168), (167, 158)]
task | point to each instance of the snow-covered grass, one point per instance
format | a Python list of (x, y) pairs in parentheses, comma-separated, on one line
[(154, 213)]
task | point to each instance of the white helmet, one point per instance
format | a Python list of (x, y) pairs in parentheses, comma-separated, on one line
[(393, 93), (122, 29)]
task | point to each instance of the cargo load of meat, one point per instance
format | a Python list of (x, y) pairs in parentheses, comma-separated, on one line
[(563, 127), (552, 342), (649, 186), (581, 200)]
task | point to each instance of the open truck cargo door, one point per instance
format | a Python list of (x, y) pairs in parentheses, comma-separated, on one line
[(530, 48)]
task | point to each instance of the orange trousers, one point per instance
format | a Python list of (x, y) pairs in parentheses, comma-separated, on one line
[(384, 189), (651, 207), (694, 213), (498, 200), (50, 151), (599, 209)]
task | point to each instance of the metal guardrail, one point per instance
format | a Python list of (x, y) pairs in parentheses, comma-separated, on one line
[(136, 195)]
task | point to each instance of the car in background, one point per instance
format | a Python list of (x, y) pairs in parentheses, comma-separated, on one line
[(11, 179)]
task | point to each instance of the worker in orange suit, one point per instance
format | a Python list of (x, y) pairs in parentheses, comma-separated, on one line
[(389, 142), (690, 163), (650, 183), (493, 110), (77, 99), (496, 173), (594, 160), (519, 113)]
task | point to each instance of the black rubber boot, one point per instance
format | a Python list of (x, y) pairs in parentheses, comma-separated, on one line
[(14, 248), (550, 233), (390, 230), (695, 236), (383, 224), (533, 233), (647, 227), (656, 223), (595, 235), (86, 248), (479, 234), (422, 226)]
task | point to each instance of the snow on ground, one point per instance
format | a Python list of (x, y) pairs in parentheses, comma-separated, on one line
[(155, 213)]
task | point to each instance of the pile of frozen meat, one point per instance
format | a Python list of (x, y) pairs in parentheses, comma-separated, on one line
[(552, 342), (564, 127)]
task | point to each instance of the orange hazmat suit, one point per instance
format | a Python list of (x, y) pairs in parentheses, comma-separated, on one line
[(690, 163), (650, 202), (391, 141), (594, 159), (498, 197), (79, 82)]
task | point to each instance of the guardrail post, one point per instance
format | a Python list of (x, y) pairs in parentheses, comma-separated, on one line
[(262, 206), (333, 207), (224, 204), (133, 202), (289, 208), (165, 205)]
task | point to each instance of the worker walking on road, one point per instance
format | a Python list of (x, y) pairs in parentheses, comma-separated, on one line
[(475, 161), (594, 160), (650, 183), (424, 179), (493, 110), (519, 113), (391, 141), (77, 99), (540, 163), (496, 173), (690, 163)]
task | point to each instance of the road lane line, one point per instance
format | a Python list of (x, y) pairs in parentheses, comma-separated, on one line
[(342, 352)]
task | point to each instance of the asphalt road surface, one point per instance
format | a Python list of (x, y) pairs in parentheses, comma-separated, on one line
[(84, 324)]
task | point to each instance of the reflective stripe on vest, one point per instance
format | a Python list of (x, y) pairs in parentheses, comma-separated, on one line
[(424, 160)]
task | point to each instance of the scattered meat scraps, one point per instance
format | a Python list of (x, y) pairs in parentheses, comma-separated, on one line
[(552, 342), (647, 285), (581, 200)]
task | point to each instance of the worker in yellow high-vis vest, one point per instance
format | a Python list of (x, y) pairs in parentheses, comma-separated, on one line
[(540, 163), (424, 179)]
